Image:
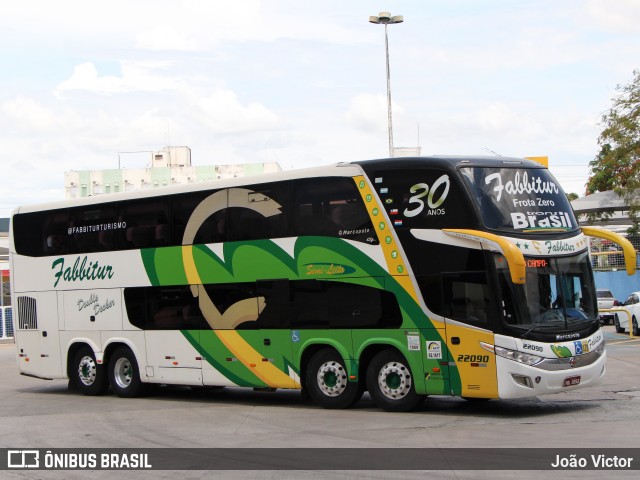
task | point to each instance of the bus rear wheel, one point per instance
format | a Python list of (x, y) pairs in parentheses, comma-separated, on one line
[(328, 383), (88, 376), (390, 383), (124, 376)]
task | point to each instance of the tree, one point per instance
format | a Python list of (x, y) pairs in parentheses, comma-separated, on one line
[(617, 165)]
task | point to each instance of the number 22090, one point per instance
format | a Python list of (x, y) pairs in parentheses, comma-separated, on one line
[(473, 358)]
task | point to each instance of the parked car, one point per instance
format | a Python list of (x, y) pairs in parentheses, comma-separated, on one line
[(606, 300), (621, 319)]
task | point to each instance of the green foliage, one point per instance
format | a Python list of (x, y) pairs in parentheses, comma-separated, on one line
[(617, 166), (572, 196)]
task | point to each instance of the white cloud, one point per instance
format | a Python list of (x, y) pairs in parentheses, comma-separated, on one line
[(223, 113), (138, 76), (616, 16), (85, 77), (27, 115), (368, 112), (165, 38)]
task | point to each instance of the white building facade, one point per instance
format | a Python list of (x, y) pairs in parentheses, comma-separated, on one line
[(169, 166)]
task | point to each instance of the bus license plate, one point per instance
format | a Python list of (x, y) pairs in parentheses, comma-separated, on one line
[(571, 381)]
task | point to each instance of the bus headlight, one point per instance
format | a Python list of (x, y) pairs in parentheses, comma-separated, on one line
[(516, 356)]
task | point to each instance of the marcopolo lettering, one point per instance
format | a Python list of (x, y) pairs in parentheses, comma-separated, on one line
[(82, 270)]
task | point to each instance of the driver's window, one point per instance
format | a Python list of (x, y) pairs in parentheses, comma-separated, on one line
[(467, 297)]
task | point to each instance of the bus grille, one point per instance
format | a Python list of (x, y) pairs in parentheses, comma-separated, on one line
[(27, 316)]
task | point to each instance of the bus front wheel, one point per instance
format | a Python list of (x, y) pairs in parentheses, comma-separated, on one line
[(88, 376), (390, 383), (327, 381), (124, 376)]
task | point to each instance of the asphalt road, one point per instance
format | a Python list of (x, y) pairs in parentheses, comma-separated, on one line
[(45, 414)]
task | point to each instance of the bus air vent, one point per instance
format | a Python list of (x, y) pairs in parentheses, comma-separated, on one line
[(27, 316)]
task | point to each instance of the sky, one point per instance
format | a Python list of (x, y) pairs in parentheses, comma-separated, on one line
[(84, 83)]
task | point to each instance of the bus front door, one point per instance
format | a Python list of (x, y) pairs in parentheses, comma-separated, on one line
[(476, 367), (469, 313)]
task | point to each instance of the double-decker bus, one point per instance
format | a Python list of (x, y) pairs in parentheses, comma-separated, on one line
[(465, 276)]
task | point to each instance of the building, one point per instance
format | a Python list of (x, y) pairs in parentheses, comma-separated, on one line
[(406, 152), (610, 211), (169, 166), (4, 262), (6, 318)]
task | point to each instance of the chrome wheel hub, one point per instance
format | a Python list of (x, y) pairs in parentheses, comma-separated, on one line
[(122, 372), (87, 370), (332, 378), (394, 380)]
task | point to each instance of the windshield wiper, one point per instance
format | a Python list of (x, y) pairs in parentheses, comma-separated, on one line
[(524, 335), (557, 323)]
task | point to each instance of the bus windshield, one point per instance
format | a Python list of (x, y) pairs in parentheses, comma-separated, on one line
[(519, 199), (555, 297)]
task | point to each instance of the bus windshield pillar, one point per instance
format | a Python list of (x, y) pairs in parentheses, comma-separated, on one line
[(514, 256)]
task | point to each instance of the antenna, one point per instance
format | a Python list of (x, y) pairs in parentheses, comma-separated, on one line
[(491, 151)]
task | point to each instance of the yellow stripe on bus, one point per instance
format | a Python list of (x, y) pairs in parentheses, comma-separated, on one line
[(396, 265), (190, 265), (245, 353), (238, 346)]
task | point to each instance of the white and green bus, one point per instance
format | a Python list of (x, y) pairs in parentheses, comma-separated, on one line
[(464, 276)]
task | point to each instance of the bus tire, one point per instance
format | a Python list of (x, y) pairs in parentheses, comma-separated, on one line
[(124, 376), (88, 376), (390, 383), (327, 381), (634, 326), (616, 323)]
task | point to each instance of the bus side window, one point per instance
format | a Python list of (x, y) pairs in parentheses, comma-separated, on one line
[(89, 231), (135, 300), (213, 227), (146, 224), (431, 288), (359, 306), (275, 313), (41, 233), (331, 207), (248, 223), (163, 308), (466, 297), (309, 307), (55, 232)]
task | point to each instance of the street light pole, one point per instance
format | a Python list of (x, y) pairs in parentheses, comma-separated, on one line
[(385, 18)]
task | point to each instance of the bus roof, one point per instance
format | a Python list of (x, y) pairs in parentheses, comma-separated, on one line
[(449, 162), (336, 169)]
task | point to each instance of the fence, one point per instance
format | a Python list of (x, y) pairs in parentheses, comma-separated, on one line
[(606, 256), (6, 323)]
